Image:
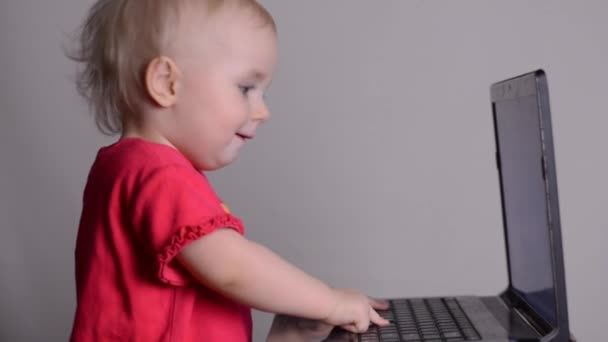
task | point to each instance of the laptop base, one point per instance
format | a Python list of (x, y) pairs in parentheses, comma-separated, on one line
[(486, 319)]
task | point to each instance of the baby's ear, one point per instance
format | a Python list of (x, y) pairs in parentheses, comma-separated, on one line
[(162, 76)]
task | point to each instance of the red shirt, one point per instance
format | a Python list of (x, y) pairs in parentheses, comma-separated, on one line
[(142, 204)]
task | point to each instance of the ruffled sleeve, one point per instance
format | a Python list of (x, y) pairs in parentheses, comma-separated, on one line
[(172, 207), (184, 235)]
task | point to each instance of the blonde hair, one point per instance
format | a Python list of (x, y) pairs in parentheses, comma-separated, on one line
[(117, 41)]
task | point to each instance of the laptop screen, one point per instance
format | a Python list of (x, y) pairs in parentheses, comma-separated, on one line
[(525, 203)]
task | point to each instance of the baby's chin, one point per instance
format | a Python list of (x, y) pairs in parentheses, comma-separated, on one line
[(212, 159), (217, 163)]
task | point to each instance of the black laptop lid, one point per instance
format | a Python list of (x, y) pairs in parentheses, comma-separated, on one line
[(529, 195)]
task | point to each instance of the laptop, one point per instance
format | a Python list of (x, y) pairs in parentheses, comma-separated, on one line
[(533, 307)]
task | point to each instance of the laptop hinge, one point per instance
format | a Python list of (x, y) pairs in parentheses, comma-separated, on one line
[(529, 320), (526, 313)]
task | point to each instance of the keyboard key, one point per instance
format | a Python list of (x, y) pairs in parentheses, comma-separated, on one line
[(408, 326), (451, 334), (389, 335), (410, 337), (431, 336)]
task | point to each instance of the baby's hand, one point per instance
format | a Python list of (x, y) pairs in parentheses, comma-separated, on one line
[(355, 311)]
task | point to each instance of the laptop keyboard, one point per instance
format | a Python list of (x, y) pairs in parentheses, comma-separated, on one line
[(423, 320)]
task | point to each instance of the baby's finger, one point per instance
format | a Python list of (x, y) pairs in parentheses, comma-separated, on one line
[(362, 325), (376, 319), (350, 327), (380, 304)]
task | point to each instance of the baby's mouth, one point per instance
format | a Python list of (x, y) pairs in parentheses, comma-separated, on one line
[(244, 136)]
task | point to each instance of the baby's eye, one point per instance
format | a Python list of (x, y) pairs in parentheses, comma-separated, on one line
[(245, 89)]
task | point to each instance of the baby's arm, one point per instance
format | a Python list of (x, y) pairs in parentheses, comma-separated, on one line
[(252, 274)]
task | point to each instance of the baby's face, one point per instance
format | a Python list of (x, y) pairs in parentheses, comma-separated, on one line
[(227, 65)]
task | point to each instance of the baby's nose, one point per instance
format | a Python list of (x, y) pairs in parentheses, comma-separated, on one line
[(262, 114)]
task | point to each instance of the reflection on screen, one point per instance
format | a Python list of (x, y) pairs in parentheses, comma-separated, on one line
[(525, 204)]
